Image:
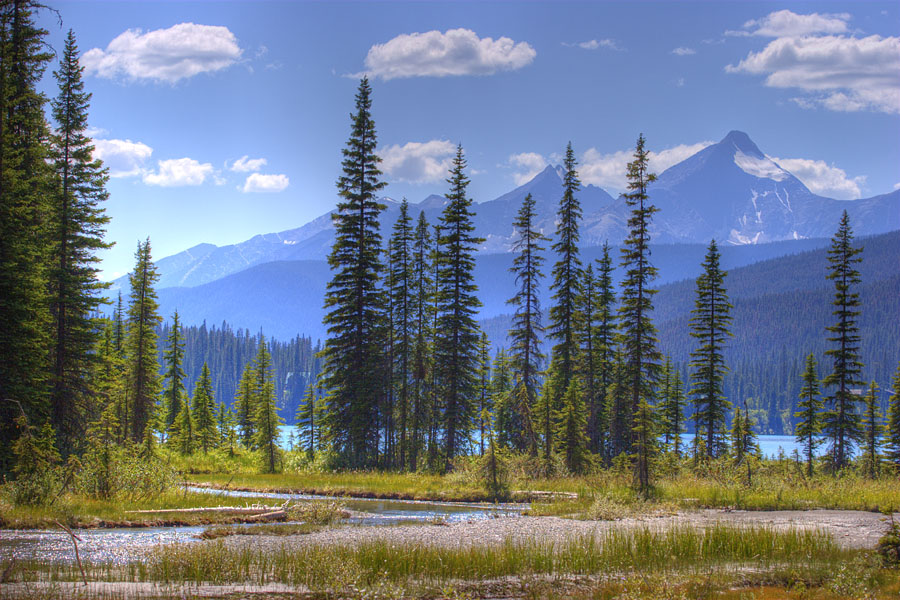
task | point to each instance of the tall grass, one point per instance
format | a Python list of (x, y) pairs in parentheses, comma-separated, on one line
[(646, 550)]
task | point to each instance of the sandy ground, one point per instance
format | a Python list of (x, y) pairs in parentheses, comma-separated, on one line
[(852, 529)]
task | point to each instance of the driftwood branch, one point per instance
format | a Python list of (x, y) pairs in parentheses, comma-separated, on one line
[(240, 510), (75, 539)]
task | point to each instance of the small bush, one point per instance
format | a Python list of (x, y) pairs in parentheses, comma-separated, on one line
[(123, 472), (889, 545)]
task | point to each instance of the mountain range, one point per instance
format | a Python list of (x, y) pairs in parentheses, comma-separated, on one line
[(729, 191)]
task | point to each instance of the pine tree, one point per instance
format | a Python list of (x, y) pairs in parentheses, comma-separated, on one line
[(507, 398), (671, 407), (226, 423), (25, 184), (485, 405), (527, 329), (77, 225), (243, 403), (645, 446), (456, 334), (565, 287), (809, 415), (140, 343), (710, 323), (637, 338), (842, 424), (402, 246), (173, 358), (353, 299), (893, 425), (307, 422), (119, 325), (618, 408), (872, 430), (587, 366), (204, 409), (572, 441), (183, 429), (265, 414), (604, 349), (422, 312)]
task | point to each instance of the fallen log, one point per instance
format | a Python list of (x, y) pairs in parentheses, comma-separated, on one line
[(275, 515), (240, 510)]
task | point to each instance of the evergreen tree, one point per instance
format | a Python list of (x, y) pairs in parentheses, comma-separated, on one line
[(572, 441), (353, 299), (618, 408), (174, 358), (244, 405), (308, 422), (227, 427), (456, 333), (140, 343), (645, 446), (671, 407), (842, 424), (809, 415), (265, 414), (401, 294), (587, 364), (507, 398), (893, 424), (204, 411), (422, 310), (527, 329), (119, 325), (637, 339), (485, 405), (25, 183), (710, 325), (77, 225), (183, 429), (872, 430), (604, 350), (565, 287)]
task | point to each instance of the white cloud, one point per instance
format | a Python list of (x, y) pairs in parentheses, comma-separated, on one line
[(123, 158), (168, 55), (245, 164), (784, 23), (179, 172), (596, 44), (257, 182), (839, 73), (608, 170), (680, 82), (418, 162), (455, 52), (897, 186), (683, 51), (527, 165), (823, 179)]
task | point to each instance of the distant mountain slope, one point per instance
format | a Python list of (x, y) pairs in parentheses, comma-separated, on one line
[(730, 191)]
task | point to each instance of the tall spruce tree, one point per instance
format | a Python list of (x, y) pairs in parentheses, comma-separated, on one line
[(140, 342), (183, 437), (77, 225), (842, 423), (710, 326), (565, 287), (572, 441), (604, 350), (204, 409), (422, 312), (587, 365), (671, 407), (892, 433), (354, 301), (265, 413), (872, 430), (485, 406), (525, 335), (307, 422), (809, 414), (401, 294), (637, 334), (173, 358), (456, 332), (25, 184), (243, 405)]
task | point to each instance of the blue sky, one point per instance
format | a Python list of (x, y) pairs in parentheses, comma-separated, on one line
[(220, 121)]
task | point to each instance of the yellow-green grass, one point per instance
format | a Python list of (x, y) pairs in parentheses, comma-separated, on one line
[(79, 511)]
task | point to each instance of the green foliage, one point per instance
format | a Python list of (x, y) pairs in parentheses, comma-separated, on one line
[(77, 225), (710, 325), (265, 414), (173, 358), (243, 402), (422, 365), (353, 351), (810, 413), (204, 412), (456, 306), (671, 408), (604, 347), (571, 439), (637, 334), (842, 422), (37, 476), (872, 431), (889, 545), (893, 424), (309, 422), (403, 322), (566, 289)]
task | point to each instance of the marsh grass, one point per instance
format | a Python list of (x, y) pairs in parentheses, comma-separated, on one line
[(276, 529), (646, 550)]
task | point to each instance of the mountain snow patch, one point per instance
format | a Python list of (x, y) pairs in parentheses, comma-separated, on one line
[(763, 168)]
